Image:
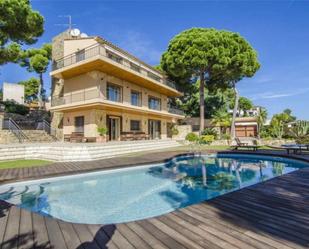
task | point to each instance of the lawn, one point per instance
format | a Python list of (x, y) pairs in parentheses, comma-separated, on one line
[(22, 163)]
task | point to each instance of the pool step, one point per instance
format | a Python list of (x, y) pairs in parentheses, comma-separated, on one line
[(81, 152)]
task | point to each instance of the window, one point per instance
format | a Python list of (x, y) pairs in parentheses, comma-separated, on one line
[(135, 125), (136, 98), (114, 92), (154, 103)]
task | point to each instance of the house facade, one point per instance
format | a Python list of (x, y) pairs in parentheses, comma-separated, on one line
[(97, 84)]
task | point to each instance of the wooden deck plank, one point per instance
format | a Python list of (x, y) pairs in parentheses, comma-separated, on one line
[(25, 236), (85, 237), (71, 238), (100, 236), (54, 233), (168, 240), (10, 240), (132, 237), (4, 210), (148, 237), (41, 239)]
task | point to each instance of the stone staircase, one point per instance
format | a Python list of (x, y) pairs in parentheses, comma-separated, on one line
[(81, 152), (35, 136), (38, 136), (7, 137)]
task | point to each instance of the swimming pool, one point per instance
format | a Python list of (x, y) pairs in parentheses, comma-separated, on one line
[(135, 193)]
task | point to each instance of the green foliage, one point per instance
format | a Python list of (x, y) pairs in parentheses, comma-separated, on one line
[(102, 130), (302, 139), (207, 139), (19, 25), (218, 57), (13, 107), (1, 94), (244, 104), (278, 124), (31, 89), (203, 50), (226, 136), (37, 60), (300, 129), (175, 131), (210, 131), (192, 137)]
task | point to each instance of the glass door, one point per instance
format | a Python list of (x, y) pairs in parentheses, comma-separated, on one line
[(154, 129), (79, 124), (114, 128)]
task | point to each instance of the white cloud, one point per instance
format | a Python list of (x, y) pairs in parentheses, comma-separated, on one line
[(275, 95)]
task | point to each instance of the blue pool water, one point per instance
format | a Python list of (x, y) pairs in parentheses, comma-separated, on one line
[(130, 194)]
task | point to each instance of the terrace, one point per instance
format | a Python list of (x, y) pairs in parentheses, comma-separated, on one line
[(105, 58), (272, 214)]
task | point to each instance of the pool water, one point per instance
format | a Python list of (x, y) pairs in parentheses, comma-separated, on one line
[(136, 193)]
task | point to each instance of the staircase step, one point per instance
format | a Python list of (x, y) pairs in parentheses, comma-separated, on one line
[(80, 152)]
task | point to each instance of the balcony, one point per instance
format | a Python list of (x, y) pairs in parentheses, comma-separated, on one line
[(95, 97), (101, 57)]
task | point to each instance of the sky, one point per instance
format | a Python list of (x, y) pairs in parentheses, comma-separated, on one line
[(278, 31)]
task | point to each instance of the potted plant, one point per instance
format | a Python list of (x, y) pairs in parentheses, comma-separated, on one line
[(102, 130)]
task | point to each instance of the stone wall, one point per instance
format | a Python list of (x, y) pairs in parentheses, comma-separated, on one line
[(183, 131)]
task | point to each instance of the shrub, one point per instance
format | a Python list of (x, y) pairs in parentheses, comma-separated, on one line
[(102, 130), (302, 140), (192, 137), (175, 131), (207, 139), (226, 136), (13, 107), (210, 131)]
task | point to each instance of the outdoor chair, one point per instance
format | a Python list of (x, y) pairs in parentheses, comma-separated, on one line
[(245, 145)]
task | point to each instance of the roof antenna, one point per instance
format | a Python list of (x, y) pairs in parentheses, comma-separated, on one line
[(69, 24)]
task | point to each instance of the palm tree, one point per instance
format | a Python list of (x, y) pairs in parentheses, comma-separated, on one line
[(222, 119)]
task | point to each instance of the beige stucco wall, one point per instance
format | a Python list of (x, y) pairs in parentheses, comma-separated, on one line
[(72, 46), (99, 80), (89, 119), (95, 117)]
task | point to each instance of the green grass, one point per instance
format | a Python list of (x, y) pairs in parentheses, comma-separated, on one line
[(22, 163)]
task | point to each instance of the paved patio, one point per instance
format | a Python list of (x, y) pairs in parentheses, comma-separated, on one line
[(273, 214)]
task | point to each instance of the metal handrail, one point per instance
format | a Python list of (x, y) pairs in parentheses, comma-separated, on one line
[(99, 49), (49, 130), (12, 126)]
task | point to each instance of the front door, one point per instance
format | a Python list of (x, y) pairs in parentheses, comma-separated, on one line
[(79, 124), (154, 129), (114, 128)]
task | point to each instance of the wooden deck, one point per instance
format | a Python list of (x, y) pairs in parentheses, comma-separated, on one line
[(273, 214)]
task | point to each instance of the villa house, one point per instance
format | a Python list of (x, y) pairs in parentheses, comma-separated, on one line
[(97, 84)]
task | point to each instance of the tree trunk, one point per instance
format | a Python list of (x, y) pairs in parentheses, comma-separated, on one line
[(40, 91), (233, 130), (202, 101)]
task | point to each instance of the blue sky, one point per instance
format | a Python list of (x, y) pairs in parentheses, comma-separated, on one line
[(278, 30)]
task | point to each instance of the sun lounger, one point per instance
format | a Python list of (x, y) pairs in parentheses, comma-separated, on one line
[(295, 148), (245, 145)]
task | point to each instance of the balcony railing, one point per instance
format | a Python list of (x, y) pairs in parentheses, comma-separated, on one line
[(99, 49), (176, 110), (89, 94)]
